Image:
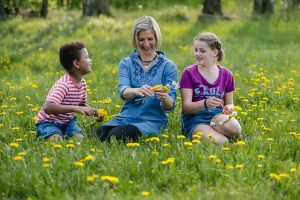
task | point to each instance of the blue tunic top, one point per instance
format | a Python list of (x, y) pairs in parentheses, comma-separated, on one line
[(146, 113)]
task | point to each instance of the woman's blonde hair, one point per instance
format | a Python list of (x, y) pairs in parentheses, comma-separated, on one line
[(146, 23), (213, 42)]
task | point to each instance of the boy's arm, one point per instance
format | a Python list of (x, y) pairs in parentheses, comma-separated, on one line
[(54, 108)]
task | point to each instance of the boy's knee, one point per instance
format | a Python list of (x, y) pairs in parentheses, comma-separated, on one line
[(54, 138)]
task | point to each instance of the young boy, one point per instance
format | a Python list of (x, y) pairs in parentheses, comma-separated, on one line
[(67, 96)]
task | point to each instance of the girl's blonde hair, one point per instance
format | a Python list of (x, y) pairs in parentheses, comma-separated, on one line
[(145, 23), (213, 42)]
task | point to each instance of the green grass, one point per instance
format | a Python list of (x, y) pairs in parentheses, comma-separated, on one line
[(263, 55)]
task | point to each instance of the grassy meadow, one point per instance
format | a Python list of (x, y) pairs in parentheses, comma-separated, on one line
[(263, 54)]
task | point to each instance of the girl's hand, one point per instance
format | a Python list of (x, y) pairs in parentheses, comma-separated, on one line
[(213, 102), (228, 109), (145, 90)]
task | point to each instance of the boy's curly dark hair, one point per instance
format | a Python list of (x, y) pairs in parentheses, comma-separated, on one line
[(70, 52)]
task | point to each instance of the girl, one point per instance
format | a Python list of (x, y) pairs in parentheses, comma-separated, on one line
[(207, 93)]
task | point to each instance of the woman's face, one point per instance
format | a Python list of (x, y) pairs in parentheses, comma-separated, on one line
[(146, 42)]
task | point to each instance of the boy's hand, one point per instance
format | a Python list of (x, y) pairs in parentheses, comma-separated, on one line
[(87, 111)]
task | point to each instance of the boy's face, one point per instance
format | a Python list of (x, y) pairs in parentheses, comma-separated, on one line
[(84, 63)]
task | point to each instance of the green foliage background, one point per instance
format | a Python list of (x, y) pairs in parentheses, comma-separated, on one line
[(263, 54)]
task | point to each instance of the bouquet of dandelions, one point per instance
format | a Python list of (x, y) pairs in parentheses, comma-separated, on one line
[(166, 88)]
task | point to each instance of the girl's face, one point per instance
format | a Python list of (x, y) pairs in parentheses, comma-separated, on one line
[(146, 43), (204, 55)]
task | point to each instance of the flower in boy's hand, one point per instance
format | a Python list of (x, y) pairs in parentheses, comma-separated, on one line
[(99, 118), (102, 115)]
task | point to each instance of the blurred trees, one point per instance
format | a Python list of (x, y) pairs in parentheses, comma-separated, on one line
[(212, 7), (263, 6), (44, 10), (95, 7)]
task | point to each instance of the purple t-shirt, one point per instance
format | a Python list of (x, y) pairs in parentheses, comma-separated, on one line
[(191, 78)]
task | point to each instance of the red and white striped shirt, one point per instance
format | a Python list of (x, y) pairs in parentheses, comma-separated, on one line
[(64, 92)]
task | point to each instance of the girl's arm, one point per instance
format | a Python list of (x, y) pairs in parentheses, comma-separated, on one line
[(188, 106), (228, 103)]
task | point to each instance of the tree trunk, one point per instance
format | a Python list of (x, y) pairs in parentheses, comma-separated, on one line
[(3, 15), (212, 7), (263, 6), (103, 7), (95, 7), (293, 3), (87, 8), (44, 10), (60, 3)]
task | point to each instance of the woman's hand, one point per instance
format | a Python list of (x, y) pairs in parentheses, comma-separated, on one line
[(161, 94), (145, 90)]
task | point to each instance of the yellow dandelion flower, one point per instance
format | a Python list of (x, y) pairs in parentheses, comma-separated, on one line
[(225, 149), (89, 158), (19, 113), (105, 101), (237, 108), (152, 139), (22, 153), (110, 179), (78, 164), (166, 145), (70, 145), (210, 136), (164, 136), (188, 144), (181, 137), (156, 87), (46, 159), (270, 139), (92, 150), (57, 146), (14, 145), (274, 176), (197, 135), (90, 179), (18, 158), (102, 113), (1, 125), (240, 166), (211, 157), (133, 144), (15, 128), (2, 113), (261, 156), (196, 141), (229, 166), (18, 139), (145, 193), (240, 143), (259, 165), (293, 170), (217, 161), (284, 175), (168, 161), (46, 165)]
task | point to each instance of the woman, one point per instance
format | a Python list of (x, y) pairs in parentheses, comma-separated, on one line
[(144, 110)]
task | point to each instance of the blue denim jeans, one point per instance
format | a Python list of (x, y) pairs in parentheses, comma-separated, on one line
[(46, 129)]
